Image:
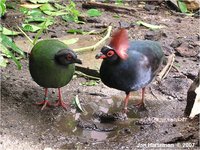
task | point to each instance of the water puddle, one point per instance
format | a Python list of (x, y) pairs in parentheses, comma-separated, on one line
[(88, 127)]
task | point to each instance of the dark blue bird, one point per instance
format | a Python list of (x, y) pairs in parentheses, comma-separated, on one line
[(129, 65)]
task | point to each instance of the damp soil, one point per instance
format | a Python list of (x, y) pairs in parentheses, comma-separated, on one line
[(161, 124)]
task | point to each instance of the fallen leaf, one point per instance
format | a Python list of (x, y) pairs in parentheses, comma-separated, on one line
[(94, 13), (30, 27), (70, 41), (182, 6), (150, 26), (77, 102), (47, 7), (31, 6), (6, 31)]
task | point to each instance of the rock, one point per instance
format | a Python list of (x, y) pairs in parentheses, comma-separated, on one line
[(176, 43), (168, 50), (187, 50), (149, 7), (178, 20), (153, 35), (54, 36), (93, 20), (191, 95)]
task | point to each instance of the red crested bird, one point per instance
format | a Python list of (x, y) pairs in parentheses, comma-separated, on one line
[(129, 65)]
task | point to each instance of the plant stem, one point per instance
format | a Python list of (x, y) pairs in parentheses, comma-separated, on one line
[(93, 47)]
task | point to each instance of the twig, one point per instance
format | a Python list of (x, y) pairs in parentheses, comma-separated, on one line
[(86, 76), (109, 7), (167, 68), (93, 47), (29, 39), (153, 93), (176, 69)]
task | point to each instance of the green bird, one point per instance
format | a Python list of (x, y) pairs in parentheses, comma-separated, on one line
[(51, 65)]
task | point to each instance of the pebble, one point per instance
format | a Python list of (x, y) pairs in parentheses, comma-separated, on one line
[(153, 35), (178, 20), (176, 43)]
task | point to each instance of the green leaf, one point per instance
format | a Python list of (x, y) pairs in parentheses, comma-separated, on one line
[(47, 7), (116, 16), (78, 104), (30, 27), (4, 50), (2, 7), (75, 31), (7, 42), (94, 13), (35, 12), (58, 6), (35, 19), (68, 18), (150, 26), (47, 23), (90, 83), (182, 6), (23, 10), (6, 31), (70, 41), (118, 2)]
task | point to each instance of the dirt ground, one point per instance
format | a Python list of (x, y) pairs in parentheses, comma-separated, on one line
[(161, 125)]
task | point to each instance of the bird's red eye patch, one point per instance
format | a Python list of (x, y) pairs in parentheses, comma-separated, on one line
[(69, 57), (110, 53)]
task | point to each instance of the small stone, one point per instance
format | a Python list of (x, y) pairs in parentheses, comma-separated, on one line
[(149, 7), (93, 20), (176, 43), (127, 130), (178, 20), (173, 125), (153, 35)]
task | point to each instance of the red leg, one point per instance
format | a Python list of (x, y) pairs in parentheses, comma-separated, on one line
[(60, 101), (126, 101), (45, 102), (141, 103)]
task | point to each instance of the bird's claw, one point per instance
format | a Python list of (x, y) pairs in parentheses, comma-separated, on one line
[(139, 104), (44, 103), (61, 103)]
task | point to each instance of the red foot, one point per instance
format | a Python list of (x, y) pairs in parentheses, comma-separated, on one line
[(139, 104), (44, 103), (61, 103)]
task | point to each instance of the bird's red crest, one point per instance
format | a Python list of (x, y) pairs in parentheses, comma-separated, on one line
[(119, 43)]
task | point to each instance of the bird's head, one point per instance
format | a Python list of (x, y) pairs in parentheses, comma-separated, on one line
[(117, 48), (66, 57), (107, 53)]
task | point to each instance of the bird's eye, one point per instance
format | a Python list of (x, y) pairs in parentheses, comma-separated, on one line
[(110, 53), (69, 57)]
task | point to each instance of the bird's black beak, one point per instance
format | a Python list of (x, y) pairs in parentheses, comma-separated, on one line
[(100, 56), (78, 61)]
